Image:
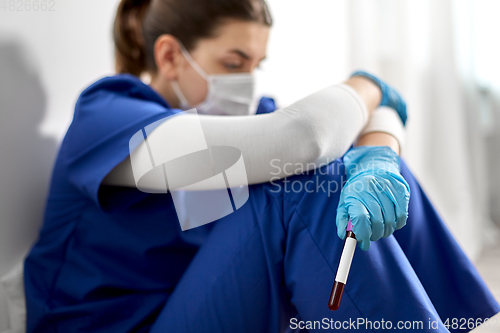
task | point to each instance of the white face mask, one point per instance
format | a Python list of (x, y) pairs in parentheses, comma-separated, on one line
[(228, 94)]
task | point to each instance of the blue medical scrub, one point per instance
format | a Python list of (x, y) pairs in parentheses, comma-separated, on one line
[(112, 259)]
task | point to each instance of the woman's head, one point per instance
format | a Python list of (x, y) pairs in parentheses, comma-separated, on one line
[(222, 36)]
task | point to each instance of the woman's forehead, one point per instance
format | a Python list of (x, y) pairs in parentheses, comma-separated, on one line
[(247, 39)]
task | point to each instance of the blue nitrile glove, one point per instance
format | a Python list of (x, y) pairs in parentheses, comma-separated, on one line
[(390, 97), (375, 195), (266, 105)]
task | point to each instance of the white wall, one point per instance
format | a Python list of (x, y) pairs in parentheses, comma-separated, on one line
[(46, 59), (308, 48)]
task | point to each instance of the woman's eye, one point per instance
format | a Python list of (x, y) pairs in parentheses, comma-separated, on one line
[(232, 67)]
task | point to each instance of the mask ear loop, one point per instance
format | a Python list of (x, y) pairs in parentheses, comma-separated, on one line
[(197, 68), (180, 95), (193, 63)]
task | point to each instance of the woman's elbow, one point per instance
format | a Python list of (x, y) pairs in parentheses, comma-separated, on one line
[(309, 140)]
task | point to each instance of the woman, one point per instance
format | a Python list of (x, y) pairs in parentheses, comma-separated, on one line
[(111, 258)]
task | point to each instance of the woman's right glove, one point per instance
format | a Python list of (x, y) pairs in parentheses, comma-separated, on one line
[(390, 97), (375, 195)]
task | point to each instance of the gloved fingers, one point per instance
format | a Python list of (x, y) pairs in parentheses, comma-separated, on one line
[(376, 217), (377, 223), (388, 211), (389, 228), (401, 204), (397, 191), (401, 215), (402, 111), (392, 98), (342, 219), (361, 224)]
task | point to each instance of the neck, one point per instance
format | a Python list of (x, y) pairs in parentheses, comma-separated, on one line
[(164, 88)]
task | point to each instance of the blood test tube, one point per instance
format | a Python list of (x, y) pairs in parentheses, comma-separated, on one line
[(343, 269)]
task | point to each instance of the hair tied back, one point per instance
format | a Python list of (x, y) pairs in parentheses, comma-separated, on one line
[(130, 53)]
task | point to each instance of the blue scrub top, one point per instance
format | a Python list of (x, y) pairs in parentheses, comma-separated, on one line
[(103, 247)]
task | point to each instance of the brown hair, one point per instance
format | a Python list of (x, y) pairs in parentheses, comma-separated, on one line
[(139, 23)]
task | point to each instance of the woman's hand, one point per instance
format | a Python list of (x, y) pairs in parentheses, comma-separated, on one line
[(375, 195), (390, 97)]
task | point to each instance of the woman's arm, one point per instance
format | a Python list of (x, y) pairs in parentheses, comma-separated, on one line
[(316, 129), (385, 128), (379, 139)]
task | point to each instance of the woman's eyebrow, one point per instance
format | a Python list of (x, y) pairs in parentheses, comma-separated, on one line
[(243, 54)]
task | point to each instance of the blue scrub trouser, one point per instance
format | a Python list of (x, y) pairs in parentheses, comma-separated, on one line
[(270, 266)]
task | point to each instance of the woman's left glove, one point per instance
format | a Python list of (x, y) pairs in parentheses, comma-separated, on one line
[(375, 195), (390, 96)]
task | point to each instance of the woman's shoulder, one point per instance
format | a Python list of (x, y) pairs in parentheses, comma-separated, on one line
[(112, 89), (114, 83), (110, 111)]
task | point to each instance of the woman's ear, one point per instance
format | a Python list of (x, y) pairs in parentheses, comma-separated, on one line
[(168, 57)]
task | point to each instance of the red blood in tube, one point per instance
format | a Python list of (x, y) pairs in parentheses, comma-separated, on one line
[(338, 287), (336, 295)]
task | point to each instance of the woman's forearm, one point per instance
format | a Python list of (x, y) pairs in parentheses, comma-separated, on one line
[(387, 128), (312, 131), (368, 91), (379, 139)]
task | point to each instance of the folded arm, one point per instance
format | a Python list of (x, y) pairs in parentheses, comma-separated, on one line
[(316, 129)]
